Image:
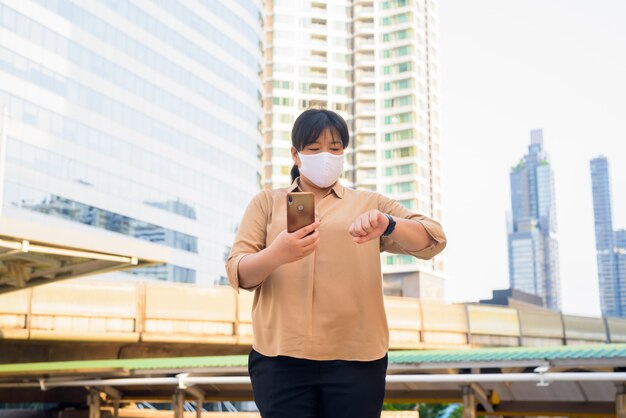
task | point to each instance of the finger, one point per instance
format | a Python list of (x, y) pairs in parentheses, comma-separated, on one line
[(360, 230), (351, 230), (303, 242), (373, 216), (312, 244), (367, 226), (311, 247), (363, 239), (305, 230)]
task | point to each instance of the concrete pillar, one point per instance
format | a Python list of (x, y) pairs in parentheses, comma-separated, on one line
[(114, 394), (178, 403), (94, 401), (116, 408), (469, 403), (199, 408), (620, 402), (198, 394)]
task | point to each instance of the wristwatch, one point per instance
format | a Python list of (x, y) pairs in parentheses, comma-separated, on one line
[(390, 227)]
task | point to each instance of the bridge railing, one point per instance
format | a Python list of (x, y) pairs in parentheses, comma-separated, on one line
[(183, 313)]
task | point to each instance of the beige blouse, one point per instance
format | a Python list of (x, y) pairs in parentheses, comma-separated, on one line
[(328, 305)]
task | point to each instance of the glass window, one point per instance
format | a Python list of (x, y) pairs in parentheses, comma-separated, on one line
[(400, 152), (397, 35), (398, 101), (391, 4), (282, 18), (288, 85), (7, 18), (399, 118), (283, 101)]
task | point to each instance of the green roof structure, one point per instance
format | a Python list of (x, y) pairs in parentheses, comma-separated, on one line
[(583, 381), (434, 357)]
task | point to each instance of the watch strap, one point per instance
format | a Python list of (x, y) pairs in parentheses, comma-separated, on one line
[(390, 227)]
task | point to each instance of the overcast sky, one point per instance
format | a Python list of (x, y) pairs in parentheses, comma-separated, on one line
[(507, 67)]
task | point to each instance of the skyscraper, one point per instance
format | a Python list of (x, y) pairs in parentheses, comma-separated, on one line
[(376, 64), (140, 120), (620, 266), (610, 244), (533, 247)]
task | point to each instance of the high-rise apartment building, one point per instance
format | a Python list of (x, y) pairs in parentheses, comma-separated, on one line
[(532, 242), (375, 63), (610, 244), (137, 117)]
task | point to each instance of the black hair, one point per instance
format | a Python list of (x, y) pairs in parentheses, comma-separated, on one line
[(310, 125)]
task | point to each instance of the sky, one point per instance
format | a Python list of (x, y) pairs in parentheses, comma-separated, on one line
[(507, 67)]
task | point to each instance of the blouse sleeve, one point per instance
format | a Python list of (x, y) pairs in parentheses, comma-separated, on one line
[(433, 228), (250, 237)]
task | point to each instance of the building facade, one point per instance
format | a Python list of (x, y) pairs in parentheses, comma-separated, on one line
[(376, 64), (140, 118), (610, 244), (532, 241)]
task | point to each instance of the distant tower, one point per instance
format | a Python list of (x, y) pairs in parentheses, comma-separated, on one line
[(610, 244), (533, 247)]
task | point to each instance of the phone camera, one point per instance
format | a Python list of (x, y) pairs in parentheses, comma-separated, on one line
[(290, 200)]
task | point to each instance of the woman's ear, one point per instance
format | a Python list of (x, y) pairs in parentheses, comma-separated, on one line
[(294, 156)]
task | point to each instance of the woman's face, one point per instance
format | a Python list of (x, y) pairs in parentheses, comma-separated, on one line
[(324, 143)]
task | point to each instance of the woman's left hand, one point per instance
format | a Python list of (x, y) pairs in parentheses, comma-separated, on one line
[(368, 226)]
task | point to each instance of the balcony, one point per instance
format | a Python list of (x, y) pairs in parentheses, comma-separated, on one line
[(314, 72), (366, 107), (366, 140), (364, 44), (363, 12), (318, 43), (365, 125), (365, 93), (365, 158), (364, 76), (363, 27), (364, 56), (320, 90), (314, 57)]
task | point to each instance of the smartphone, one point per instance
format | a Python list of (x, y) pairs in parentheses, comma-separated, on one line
[(300, 210)]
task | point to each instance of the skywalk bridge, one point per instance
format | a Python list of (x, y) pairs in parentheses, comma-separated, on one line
[(87, 319)]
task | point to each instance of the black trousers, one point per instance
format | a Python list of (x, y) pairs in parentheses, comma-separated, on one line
[(288, 387)]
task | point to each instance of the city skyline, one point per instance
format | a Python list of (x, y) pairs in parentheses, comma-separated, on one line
[(541, 70), (493, 90)]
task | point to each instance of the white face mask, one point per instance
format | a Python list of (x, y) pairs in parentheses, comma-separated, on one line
[(323, 169)]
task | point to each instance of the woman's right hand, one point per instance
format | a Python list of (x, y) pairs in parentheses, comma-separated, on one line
[(292, 246)]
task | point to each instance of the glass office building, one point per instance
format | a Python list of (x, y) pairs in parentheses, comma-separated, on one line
[(532, 241), (140, 120), (610, 244), (376, 64), (620, 266)]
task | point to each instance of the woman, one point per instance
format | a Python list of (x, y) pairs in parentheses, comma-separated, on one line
[(320, 330)]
